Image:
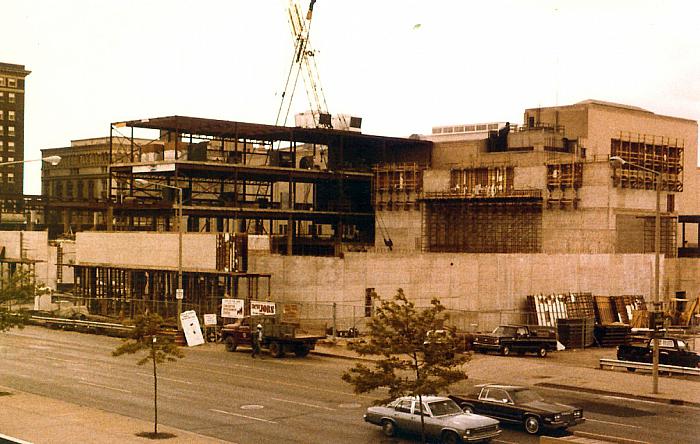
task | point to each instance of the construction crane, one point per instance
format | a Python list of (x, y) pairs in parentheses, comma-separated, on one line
[(303, 64)]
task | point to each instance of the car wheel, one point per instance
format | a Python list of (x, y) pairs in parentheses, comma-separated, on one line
[(532, 425), (276, 349), (505, 351), (450, 438), (388, 428), (466, 408), (542, 352), (231, 344)]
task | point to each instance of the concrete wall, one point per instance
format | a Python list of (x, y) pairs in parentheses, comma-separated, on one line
[(402, 226), (146, 249), (469, 282), (32, 245)]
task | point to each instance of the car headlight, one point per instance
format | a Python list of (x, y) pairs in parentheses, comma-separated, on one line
[(557, 417), (467, 432), (578, 413)]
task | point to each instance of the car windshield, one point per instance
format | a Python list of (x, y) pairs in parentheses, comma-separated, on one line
[(525, 396), (446, 407), (504, 331)]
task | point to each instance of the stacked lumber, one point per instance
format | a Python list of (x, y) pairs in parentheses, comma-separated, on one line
[(611, 335)]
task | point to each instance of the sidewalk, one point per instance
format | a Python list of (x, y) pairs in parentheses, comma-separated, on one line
[(575, 370)]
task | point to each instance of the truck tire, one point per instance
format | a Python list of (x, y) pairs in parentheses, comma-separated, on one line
[(231, 344), (505, 350), (276, 349), (542, 352), (301, 350)]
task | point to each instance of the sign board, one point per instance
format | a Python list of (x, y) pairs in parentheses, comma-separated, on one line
[(180, 293), (209, 319), (191, 328), (290, 313), (260, 308), (232, 308)]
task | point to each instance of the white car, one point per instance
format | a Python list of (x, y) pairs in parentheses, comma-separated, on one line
[(443, 419)]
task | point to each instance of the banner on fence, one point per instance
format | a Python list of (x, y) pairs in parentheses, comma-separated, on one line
[(190, 325), (232, 308), (260, 308)]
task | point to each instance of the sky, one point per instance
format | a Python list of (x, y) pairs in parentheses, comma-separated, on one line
[(404, 66)]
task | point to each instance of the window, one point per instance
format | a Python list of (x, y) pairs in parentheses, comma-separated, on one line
[(11, 98), (10, 159), (404, 406), (2, 81), (670, 203), (2, 115), (12, 83), (11, 146), (2, 143), (11, 116), (10, 177), (2, 97), (2, 130), (10, 130)]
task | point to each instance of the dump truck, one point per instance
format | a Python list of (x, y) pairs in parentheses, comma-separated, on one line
[(279, 337)]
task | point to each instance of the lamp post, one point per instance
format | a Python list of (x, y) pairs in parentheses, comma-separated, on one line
[(619, 161), (53, 160), (179, 294)]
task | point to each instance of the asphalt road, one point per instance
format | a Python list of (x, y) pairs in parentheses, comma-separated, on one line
[(233, 397)]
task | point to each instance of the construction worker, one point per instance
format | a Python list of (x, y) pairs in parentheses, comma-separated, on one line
[(257, 339)]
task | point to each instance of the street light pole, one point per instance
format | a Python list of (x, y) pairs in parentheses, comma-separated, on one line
[(617, 160), (53, 160), (179, 293)]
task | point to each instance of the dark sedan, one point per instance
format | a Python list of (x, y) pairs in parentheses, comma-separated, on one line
[(521, 405)]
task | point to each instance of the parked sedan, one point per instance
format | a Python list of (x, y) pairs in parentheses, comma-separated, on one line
[(518, 404), (442, 417)]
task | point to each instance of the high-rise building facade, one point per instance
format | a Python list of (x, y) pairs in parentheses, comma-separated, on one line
[(11, 135)]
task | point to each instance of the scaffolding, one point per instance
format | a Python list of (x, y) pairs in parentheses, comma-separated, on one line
[(397, 186), (661, 154)]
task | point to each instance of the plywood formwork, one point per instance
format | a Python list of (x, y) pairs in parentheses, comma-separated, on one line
[(658, 153)]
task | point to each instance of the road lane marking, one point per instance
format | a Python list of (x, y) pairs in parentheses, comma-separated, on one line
[(303, 403), (59, 359), (105, 386), (622, 398), (289, 384), (166, 379), (242, 416), (613, 423)]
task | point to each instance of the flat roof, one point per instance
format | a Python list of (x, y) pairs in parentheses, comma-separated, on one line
[(259, 131)]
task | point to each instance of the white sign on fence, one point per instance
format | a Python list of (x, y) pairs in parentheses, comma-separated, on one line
[(258, 308), (232, 308), (209, 319), (191, 328)]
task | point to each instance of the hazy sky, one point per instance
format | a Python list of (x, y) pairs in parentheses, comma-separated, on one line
[(96, 62)]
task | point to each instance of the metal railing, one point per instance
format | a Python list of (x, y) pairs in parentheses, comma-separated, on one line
[(613, 363)]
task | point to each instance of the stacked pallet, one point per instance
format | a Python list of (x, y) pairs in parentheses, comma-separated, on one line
[(576, 332), (611, 335)]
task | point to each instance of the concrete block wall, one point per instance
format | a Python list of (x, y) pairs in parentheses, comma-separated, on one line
[(34, 245), (146, 249), (403, 228)]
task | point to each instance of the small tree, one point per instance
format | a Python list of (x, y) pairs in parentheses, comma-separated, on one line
[(415, 358), (16, 290), (147, 336)]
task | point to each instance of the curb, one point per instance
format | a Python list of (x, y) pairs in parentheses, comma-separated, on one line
[(572, 388)]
